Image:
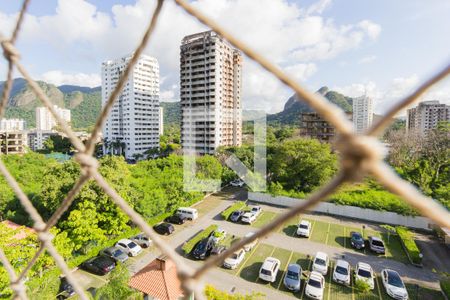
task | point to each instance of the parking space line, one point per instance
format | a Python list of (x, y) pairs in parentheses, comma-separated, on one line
[(250, 255), (287, 264), (328, 234), (329, 283), (378, 286), (312, 228), (305, 280)]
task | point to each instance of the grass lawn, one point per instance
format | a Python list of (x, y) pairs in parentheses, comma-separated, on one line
[(320, 232), (208, 204), (264, 218), (250, 270)]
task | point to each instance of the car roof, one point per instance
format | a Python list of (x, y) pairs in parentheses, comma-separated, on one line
[(375, 238), (363, 265), (304, 222), (342, 263), (248, 234), (124, 241), (294, 267), (248, 213), (111, 249), (269, 262), (356, 233), (321, 255), (316, 275)]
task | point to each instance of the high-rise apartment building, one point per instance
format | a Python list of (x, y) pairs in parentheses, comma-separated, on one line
[(132, 126), (12, 124), (426, 116), (45, 119), (313, 125), (210, 88), (161, 120), (362, 113)]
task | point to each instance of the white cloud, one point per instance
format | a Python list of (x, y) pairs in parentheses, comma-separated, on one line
[(294, 37), (59, 78), (367, 59)]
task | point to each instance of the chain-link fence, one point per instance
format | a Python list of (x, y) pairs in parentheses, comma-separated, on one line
[(361, 155)]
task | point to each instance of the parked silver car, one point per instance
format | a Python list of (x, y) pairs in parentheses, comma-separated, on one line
[(115, 253), (142, 240), (293, 277)]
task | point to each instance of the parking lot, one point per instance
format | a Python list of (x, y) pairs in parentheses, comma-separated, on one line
[(249, 271), (328, 236), (337, 234)]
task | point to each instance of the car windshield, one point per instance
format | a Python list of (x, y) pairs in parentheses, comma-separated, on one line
[(357, 237), (319, 262), (292, 275), (201, 246), (131, 245), (341, 270), (303, 226), (234, 256), (236, 213), (117, 253), (364, 273), (395, 280), (266, 272), (377, 243), (314, 283)]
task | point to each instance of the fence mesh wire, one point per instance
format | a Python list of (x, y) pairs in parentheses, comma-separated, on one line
[(360, 155)]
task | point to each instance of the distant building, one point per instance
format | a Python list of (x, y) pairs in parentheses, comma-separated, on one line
[(313, 125), (210, 92), (426, 116), (132, 126), (13, 142), (161, 120), (46, 121), (158, 280), (12, 124), (362, 113), (36, 138)]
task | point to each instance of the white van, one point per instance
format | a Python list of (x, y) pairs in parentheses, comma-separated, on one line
[(188, 212)]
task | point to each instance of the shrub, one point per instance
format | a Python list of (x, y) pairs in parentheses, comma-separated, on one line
[(407, 238), (236, 206), (189, 245), (212, 293), (361, 286), (445, 286)]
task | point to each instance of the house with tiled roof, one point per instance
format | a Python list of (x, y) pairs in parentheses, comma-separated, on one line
[(158, 280), (22, 231)]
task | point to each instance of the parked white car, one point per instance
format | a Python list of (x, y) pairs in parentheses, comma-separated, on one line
[(393, 284), (237, 182), (256, 210), (248, 218), (269, 269), (129, 247), (304, 228), (341, 273), (251, 245), (234, 260), (320, 263), (365, 272), (218, 235), (188, 212), (315, 285)]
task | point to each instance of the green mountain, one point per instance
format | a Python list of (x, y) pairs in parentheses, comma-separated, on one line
[(84, 102), (172, 113), (293, 108)]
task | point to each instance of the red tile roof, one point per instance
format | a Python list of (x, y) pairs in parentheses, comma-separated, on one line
[(22, 233), (158, 279)]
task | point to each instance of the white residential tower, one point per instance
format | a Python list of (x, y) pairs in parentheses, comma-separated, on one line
[(45, 119), (132, 126), (362, 113)]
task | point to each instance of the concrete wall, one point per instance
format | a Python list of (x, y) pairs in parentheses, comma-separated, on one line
[(382, 217)]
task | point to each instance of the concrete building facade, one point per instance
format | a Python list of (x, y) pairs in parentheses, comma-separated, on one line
[(427, 115), (46, 121), (313, 125), (12, 124), (210, 93), (132, 126), (161, 120), (36, 138), (13, 142), (362, 113)]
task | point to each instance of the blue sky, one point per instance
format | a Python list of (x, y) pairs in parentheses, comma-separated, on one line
[(383, 48)]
